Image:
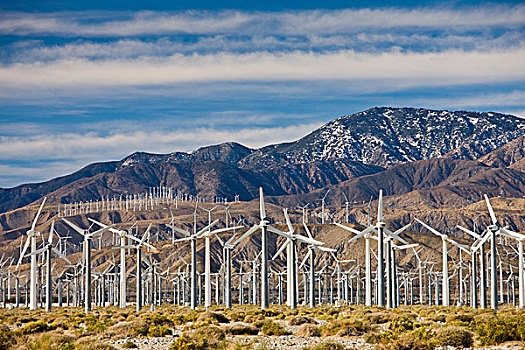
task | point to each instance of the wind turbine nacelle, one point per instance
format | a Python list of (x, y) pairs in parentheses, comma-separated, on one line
[(32, 233), (492, 228), (264, 222), (381, 224)]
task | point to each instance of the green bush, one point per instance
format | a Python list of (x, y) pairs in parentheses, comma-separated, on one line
[(184, 342), (35, 327), (242, 329), (7, 338), (213, 335), (129, 345), (409, 342), (268, 327), (159, 331), (329, 345), (158, 319), (49, 341), (500, 330), (214, 316), (299, 320), (308, 330), (454, 336)]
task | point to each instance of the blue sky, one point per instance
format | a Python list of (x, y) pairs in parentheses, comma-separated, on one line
[(93, 81)]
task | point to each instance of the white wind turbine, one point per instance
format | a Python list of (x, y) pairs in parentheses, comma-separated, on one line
[(380, 229), (138, 248), (207, 261), (122, 283), (87, 258), (48, 248), (311, 256), (445, 239), (264, 227), (291, 260), (492, 231), (31, 238), (192, 237)]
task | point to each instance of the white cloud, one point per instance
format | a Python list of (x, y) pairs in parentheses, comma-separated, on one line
[(514, 98), (403, 69), (288, 22), (94, 146)]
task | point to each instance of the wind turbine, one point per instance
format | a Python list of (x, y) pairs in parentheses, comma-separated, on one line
[(87, 258), (311, 255), (122, 284), (494, 229), (47, 248), (291, 260), (31, 238), (207, 262), (444, 238)]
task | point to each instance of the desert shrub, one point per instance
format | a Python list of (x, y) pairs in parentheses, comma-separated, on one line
[(242, 329), (308, 330), (299, 320), (328, 345), (237, 316), (186, 343), (159, 331), (92, 343), (49, 341), (158, 319), (439, 318), (377, 317), (344, 328), (35, 327), (97, 324), (454, 336), (7, 338), (497, 331), (380, 338), (212, 335), (268, 327), (214, 316), (129, 345), (128, 330), (401, 325), (409, 342)]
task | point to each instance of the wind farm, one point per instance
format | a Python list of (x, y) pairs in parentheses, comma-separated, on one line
[(193, 175), (166, 252)]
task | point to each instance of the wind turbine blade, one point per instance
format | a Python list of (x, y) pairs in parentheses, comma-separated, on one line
[(36, 252), (356, 237), (284, 245), (326, 249), (50, 239), (308, 231), (512, 234), (482, 241), (246, 234), (221, 242), (473, 234), (73, 226), (261, 204), (38, 214), (146, 234), (491, 211), (394, 235), (288, 223), (62, 256), (184, 239), (348, 228), (430, 228), (207, 227), (399, 231), (380, 207), (26, 245), (307, 240), (225, 229), (179, 230), (305, 258), (279, 232), (102, 230)]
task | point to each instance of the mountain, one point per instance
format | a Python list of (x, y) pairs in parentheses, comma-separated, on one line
[(510, 155), (377, 148), (387, 136)]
